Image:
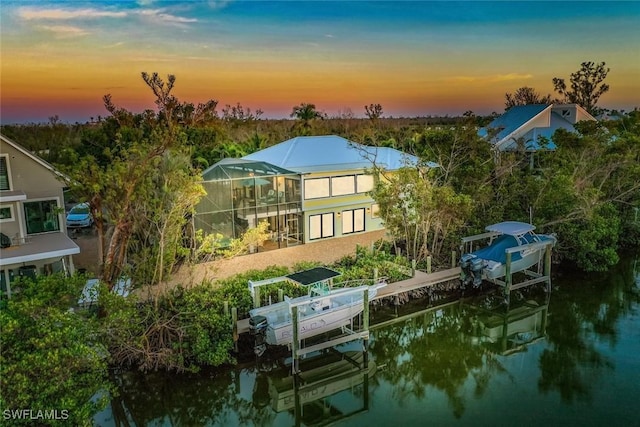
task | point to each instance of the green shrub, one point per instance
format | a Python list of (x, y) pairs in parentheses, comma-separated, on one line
[(51, 358)]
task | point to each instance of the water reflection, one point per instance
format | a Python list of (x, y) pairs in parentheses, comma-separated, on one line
[(312, 396), (443, 348), (586, 312), (549, 357), (510, 330)]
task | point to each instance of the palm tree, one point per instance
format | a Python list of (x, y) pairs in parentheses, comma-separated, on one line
[(306, 113)]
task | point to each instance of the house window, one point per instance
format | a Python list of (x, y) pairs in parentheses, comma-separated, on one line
[(364, 183), (6, 213), (41, 216), (4, 173), (352, 221), (343, 185), (316, 188), (321, 226)]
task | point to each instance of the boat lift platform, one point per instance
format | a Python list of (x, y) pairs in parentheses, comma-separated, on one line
[(542, 275)]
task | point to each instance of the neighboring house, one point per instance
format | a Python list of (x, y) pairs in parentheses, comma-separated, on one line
[(335, 176), (307, 188), (32, 220), (531, 127)]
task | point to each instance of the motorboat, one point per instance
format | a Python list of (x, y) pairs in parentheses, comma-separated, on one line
[(323, 309), (511, 243)]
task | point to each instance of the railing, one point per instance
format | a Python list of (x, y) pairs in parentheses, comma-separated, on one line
[(18, 241)]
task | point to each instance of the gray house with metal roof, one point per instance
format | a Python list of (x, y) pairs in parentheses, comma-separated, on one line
[(307, 188)]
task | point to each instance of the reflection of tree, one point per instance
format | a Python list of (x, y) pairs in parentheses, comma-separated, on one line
[(206, 398), (572, 362), (431, 350), (434, 350)]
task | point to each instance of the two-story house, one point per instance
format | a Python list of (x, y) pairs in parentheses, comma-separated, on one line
[(32, 220), (306, 188), (335, 178)]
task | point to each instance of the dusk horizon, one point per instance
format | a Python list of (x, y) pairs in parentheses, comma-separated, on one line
[(416, 59)]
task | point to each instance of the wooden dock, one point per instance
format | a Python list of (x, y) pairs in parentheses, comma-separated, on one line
[(420, 280)]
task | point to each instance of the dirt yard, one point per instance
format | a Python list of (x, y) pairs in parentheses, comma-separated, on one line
[(87, 240), (325, 251)]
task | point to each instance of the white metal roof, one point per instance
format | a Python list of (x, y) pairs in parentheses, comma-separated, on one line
[(512, 228), (305, 154)]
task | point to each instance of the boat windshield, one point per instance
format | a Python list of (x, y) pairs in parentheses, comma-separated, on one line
[(319, 289)]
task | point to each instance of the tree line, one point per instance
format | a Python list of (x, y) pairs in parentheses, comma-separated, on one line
[(140, 173)]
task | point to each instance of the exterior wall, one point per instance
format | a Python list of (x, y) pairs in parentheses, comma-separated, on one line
[(583, 115), (340, 207), (572, 113), (542, 121), (38, 182), (370, 224), (12, 226)]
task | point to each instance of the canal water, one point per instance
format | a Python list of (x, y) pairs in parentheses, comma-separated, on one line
[(568, 358)]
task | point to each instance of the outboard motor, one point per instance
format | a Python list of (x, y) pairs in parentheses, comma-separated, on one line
[(258, 329), (476, 271), (465, 271)]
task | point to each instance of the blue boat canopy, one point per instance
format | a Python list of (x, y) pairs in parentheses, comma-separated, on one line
[(496, 251), (512, 228)]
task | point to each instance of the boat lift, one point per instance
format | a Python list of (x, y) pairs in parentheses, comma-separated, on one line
[(313, 277), (541, 275)]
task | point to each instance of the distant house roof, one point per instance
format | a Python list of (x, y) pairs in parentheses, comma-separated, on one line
[(231, 168), (306, 154), (529, 124)]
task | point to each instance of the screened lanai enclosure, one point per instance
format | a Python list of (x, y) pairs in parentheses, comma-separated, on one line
[(241, 193)]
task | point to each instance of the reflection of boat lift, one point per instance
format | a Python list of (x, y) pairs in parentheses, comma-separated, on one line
[(511, 331), (513, 247), (310, 394), (320, 378)]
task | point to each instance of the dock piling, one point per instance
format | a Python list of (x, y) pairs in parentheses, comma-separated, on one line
[(234, 323), (295, 344)]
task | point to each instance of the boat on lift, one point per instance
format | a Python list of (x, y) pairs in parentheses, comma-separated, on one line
[(323, 309), (510, 242)]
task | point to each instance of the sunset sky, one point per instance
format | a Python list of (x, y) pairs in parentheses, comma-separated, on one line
[(415, 58)]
